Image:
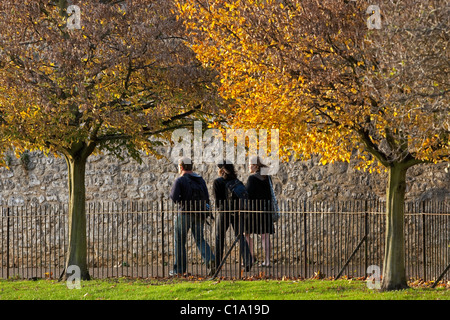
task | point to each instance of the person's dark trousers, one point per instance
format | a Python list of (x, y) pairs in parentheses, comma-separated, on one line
[(236, 220), (183, 223)]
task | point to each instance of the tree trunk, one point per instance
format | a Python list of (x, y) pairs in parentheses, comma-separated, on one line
[(394, 272), (77, 246)]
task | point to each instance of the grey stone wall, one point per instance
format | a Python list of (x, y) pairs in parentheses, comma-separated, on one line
[(38, 179), (38, 240)]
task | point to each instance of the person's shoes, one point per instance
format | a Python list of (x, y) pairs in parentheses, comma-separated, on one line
[(173, 273), (264, 265)]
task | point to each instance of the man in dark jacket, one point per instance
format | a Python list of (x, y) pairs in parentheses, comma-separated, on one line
[(190, 192)]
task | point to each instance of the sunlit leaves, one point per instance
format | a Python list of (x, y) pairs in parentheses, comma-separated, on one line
[(123, 74), (313, 70)]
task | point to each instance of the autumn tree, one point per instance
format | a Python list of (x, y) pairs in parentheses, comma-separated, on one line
[(337, 78), (111, 76)]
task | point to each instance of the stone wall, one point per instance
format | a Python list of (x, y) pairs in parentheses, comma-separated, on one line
[(38, 179), (37, 239)]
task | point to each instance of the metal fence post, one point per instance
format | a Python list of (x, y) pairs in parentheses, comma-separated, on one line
[(304, 240), (162, 235), (366, 228), (424, 256), (7, 243)]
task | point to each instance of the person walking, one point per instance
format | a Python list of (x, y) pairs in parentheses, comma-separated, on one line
[(229, 199), (260, 196), (190, 193)]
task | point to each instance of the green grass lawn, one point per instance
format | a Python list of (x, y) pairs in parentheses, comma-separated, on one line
[(182, 289)]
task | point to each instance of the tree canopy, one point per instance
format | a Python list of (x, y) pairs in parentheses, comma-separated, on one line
[(123, 76), (314, 70)]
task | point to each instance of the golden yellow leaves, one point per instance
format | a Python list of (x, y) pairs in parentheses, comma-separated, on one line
[(318, 88), (30, 112)]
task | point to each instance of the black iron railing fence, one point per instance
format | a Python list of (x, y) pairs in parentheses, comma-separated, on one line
[(321, 239)]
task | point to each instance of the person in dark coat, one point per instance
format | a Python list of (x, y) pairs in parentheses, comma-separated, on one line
[(259, 222), (227, 204), (182, 194)]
